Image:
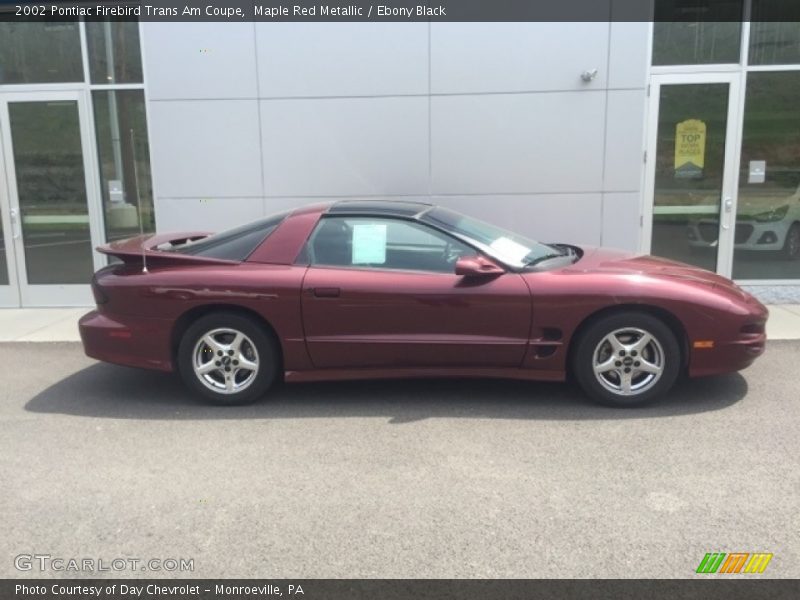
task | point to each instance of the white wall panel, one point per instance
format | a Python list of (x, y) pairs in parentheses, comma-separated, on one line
[(572, 218), (200, 60), (206, 214), (342, 59), (628, 54), (353, 146), (621, 225), (518, 143), (205, 148), (624, 151), (515, 136), (505, 57)]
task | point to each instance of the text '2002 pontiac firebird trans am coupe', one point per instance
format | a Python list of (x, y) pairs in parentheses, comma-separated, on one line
[(377, 289)]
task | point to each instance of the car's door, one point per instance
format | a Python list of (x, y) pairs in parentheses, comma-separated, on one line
[(382, 292)]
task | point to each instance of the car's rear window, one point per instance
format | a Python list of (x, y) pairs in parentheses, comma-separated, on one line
[(234, 244)]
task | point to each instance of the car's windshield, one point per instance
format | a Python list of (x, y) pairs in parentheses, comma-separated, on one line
[(509, 248)]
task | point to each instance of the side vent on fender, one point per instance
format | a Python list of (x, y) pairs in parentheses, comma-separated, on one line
[(547, 342)]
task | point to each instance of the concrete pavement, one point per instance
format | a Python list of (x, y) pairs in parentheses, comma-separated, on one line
[(395, 479)]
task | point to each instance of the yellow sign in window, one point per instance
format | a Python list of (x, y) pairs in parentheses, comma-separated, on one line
[(690, 148)]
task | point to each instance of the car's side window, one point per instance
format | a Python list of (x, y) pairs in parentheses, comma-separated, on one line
[(383, 243)]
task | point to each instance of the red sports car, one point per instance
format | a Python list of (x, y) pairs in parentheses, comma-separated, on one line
[(366, 289)]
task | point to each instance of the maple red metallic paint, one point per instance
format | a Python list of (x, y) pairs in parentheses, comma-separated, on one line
[(390, 323)]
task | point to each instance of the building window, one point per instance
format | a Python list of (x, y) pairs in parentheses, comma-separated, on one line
[(123, 152), (768, 213), (121, 127), (3, 258), (773, 39), (114, 53), (40, 53), (686, 195), (695, 32), (51, 189)]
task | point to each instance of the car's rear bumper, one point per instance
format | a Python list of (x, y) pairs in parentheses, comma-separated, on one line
[(136, 342)]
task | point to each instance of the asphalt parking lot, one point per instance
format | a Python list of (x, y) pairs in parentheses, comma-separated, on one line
[(396, 479)]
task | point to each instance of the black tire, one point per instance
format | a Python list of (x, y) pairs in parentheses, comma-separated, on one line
[(228, 371), (663, 351), (791, 245)]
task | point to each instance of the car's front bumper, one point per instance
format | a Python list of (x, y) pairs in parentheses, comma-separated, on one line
[(734, 346), (749, 235), (136, 342)]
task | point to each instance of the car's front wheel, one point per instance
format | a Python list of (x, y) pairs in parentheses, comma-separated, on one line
[(626, 359), (228, 358)]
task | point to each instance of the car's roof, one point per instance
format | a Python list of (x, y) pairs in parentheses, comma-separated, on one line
[(397, 208)]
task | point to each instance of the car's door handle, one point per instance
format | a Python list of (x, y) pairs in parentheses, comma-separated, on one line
[(326, 292)]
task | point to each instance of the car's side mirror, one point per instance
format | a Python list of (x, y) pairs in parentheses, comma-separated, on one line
[(476, 266)]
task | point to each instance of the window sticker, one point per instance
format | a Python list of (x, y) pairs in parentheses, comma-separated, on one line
[(369, 243), (509, 249)]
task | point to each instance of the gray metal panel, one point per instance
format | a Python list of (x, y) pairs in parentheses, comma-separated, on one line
[(571, 218), (276, 205), (624, 150), (342, 59), (621, 226), (339, 147), (205, 148), (503, 57), (206, 214), (628, 54), (200, 60), (518, 143)]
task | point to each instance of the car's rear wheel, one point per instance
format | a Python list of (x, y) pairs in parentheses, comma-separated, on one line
[(228, 358), (626, 359), (791, 245)]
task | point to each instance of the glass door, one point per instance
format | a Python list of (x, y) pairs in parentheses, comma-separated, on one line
[(691, 171), (52, 219), (768, 212), (9, 293)]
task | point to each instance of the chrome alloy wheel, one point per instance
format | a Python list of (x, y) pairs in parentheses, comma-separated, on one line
[(628, 361), (225, 360)]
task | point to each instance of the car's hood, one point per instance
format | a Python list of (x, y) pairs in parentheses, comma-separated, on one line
[(619, 262)]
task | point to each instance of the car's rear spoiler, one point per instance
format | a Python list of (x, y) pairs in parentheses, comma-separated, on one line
[(155, 249)]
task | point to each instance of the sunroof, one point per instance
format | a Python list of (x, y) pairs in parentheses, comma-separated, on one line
[(383, 207)]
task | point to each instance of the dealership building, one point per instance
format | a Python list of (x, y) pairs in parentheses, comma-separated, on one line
[(676, 138)]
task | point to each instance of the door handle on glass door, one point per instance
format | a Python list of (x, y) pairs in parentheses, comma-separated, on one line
[(728, 206), (15, 228)]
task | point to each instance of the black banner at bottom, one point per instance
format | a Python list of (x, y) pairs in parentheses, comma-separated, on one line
[(400, 589)]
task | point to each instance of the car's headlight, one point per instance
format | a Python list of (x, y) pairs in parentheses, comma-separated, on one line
[(776, 214)]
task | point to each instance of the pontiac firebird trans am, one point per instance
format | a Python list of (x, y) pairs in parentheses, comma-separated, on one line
[(375, 289)]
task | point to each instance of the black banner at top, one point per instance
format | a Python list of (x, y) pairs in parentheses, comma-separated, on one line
[(402, 10)]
